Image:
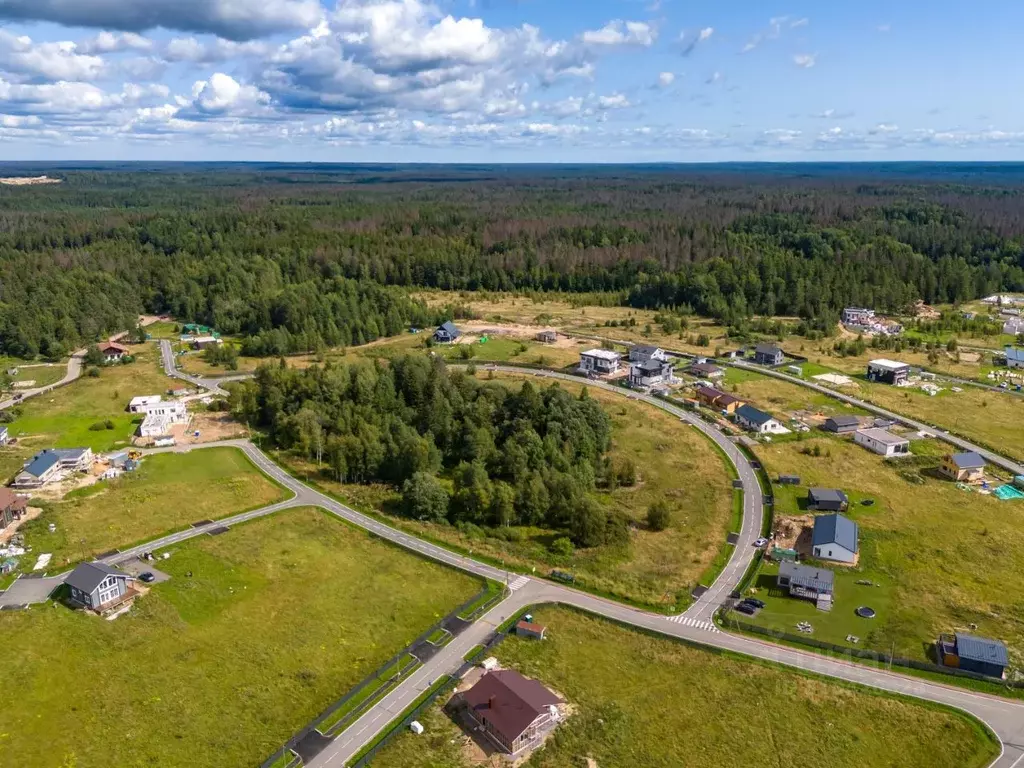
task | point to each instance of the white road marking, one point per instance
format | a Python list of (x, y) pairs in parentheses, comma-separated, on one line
[(519, 583), (686, 621)]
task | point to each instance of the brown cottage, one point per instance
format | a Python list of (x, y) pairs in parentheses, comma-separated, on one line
[(514, 711), (12, 507)]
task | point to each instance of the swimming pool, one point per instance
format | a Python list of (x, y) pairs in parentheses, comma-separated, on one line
[(1006, 492)]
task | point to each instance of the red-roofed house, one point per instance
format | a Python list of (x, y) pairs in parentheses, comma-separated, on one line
[(514, 711), (112, 351)]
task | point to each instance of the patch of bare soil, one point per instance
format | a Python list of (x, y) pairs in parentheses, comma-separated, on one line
[(150, 319), (58, 490), (794, 533), (211, 428), (28, 181)]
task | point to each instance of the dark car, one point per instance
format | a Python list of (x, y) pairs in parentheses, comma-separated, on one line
[(754, 602), (147, 577), (746, 608)]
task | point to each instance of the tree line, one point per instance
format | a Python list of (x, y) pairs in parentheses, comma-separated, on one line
[(462, 451)]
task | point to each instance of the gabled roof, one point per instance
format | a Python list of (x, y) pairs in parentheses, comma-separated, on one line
[(508, 702), (981, 649), (705, 368), (87, 576), (819, 579), (826, 494), (9, 499), (449, 327), (112, 345), (767, 349), (843, 421), (753, 415), (1012, 353), (835, 529), (650, 366), (41, 463), (968, 460)]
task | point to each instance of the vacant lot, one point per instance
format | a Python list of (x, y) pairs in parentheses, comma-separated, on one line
[(168, 492), (781, 397), (220, 668), (62, 418), (648, 701), (945, 558), (674, 462)]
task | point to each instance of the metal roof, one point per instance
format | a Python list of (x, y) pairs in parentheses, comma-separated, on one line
[(87, 576), (835, 529), (449, 327), (843, 421), (645, 348), (653, 365), (753, 415), (981, 649), (968, 460), (41, 463), (509, 702), (818, 579), (767, 349), (1012, 353), (826, 494)]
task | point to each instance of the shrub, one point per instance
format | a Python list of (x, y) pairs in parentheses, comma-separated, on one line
[(93, 373), (659, 516), (562, 546)]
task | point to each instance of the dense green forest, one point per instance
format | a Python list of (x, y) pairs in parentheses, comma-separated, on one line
[(513, 457), (296, 259)]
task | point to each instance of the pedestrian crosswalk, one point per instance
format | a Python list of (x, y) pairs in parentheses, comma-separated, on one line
[(519, 583), (686, 621)]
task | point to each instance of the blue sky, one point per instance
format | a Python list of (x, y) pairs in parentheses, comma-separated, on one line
[(507, 81)]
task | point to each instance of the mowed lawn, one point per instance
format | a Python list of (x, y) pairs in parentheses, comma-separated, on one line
[(62, 418), (168, 492), (946, 558), (674, 462), (279, 618), (647, 701)]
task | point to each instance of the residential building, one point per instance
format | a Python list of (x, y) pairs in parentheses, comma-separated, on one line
[(599, 361), (140, 404), (827, 500), (161, 416), (805, 581), (973, 654), (98, 586), (768, 354), (882, 442), (1012, 326), (513, 711), (205, 342), (841, 425), (967, 467), (446, 332), (4, 437), (12, 507), (888, 371), (835, 538), (46, 465), (529, 629), (641, 353), (858, 316), (547, 337), (749, 417), (1014, 357), (112, 351), (716, 398), (706, 371), (650, 373)]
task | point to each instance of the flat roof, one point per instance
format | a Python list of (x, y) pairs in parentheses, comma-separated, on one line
[(144, 400), (883, 436), (820, 579), (889, 365), (601, 354)]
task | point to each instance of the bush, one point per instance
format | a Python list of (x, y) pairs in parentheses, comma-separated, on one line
[(99, 426), (562, 546), (93, 373), (659, 516), (625, 473)]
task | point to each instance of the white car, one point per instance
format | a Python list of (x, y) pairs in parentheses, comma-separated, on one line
[(761, 542)]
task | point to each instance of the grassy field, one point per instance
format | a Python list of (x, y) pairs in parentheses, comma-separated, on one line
[(62, 418), (944, 558), (653, 702), (167, 492), (781, 397), (194, 364), (658, 569), (40, 375), (222, 667)]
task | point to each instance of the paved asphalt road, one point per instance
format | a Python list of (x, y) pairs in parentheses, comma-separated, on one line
[(1004, 717), (73, 372), (990, 456)]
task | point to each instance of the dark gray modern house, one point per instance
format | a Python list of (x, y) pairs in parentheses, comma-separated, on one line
[(841, 425), (446, 332), (827, 500), (835, 538), (97, 586), (816, 584), (973, 654), (768, 354)]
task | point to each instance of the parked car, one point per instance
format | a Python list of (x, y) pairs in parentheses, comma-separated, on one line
[(746, 608), (754, 602), (147, 577), (761, 542)]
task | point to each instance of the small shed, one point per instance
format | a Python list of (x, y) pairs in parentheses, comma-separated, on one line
[(547, 337), (841, 424), (827, 500), (973, 654), (789, 480), (529, 629)]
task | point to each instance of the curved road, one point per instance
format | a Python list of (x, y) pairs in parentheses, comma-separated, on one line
[(1004, 717), (73, 372)]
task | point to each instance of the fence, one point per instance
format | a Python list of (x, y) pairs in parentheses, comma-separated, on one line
[(861, 653), (274, 761)]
